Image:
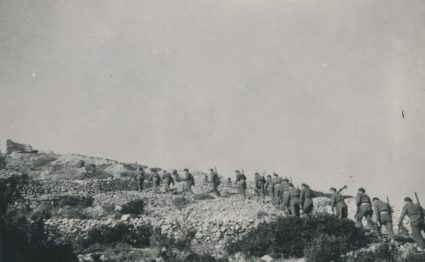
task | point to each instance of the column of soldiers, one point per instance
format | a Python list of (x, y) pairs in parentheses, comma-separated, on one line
[(297, 202)]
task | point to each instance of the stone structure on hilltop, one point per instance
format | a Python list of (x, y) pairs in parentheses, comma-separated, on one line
[(16, 147)]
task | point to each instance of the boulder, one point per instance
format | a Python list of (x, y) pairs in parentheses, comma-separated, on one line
[(267, 258)]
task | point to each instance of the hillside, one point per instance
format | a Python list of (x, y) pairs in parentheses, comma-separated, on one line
[(82, 193)]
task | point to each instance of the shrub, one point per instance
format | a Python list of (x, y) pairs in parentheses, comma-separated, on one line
[(383, 253), (74, 201), (133, 207), (289, 236), (180, 202), (262, 214), (180, 250), (43, 160), (325, 248), (202, 197), (23, 237), (134, 236)]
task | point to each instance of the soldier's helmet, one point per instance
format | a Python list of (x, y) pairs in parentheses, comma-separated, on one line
[(333, 189), (408, 199), (362, 190)]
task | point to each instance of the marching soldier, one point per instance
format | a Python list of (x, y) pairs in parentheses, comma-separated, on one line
[(416, 215), (306, 199), (285, 195), (168, 179), (140, 177), (294, 200), (229, 181), (176, 176), (259, 185), (383, 216), (364, 209), (241, 182), (156, 180), (215, 182), (269, 186), (276, 180), (338, 203), (190, 181)]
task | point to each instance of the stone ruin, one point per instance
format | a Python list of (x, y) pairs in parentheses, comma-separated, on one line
[(19, 148)]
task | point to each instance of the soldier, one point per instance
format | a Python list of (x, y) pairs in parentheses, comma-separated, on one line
[(269, 185), (294, 200), (275, 181), (229, 181), (156, 180), (215, 182), (140, 177), (306, 199), (190, 181), (416, 215), (206, 180), (259, 185), (168, 179), (285, 195), (241, 182), (176, 176), (337, 201), (383, 216), (364, 209)]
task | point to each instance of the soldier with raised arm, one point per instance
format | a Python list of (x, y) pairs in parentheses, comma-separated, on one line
[(338, 203)]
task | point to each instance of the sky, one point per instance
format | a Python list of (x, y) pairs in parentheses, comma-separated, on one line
[(310, 89)]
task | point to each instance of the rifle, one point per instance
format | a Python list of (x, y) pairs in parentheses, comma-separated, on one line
[(290, 180), (417, 200), (342, 188), (215, 170)]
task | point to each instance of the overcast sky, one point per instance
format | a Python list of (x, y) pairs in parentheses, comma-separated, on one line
[(310, 89)]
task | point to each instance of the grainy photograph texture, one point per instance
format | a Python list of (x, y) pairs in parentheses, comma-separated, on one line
[(211, 130)]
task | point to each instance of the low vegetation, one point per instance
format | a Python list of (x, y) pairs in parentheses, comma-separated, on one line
[(321, 238), (124, 233)]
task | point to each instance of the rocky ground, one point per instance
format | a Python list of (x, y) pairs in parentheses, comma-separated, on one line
[(215, 220)]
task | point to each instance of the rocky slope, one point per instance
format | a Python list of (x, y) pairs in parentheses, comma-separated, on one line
[(110, 184)]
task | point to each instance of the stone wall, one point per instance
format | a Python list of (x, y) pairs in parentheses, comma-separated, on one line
[(16, 147)]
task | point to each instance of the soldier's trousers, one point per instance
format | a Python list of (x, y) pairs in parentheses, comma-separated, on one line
[(156, 187), (417, 228), (366, 212), (308, 206), (167, 187), (260, 190), (189, 187), (215, 190), (341, 210), (242, 187), (386, 220), (285, 202), (295, 207)]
